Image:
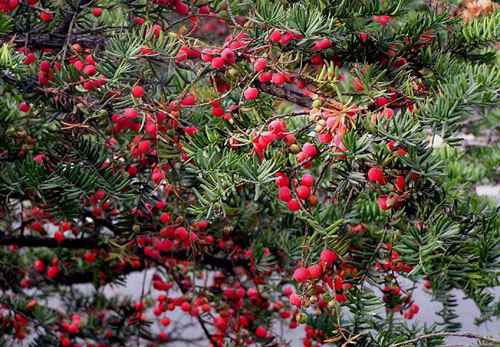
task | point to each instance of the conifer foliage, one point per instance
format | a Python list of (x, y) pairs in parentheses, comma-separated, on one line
[(266, 163)]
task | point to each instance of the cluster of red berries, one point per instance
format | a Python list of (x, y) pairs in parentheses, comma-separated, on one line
[(277, 130), (52, 271), (395, 199), (177, 5), (9, 319), (303, 191), (87, 69)]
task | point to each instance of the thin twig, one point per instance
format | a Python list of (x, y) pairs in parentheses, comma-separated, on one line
[(446, 334)]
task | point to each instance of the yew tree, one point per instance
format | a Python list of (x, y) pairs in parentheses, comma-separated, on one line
[(272, 165)]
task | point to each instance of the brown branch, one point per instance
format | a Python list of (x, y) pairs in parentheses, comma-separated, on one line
[(34, 241), (446, 334), (55, 41), (91, 243), (287, 94)]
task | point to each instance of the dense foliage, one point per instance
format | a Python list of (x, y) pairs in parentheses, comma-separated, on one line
[(272, 162)]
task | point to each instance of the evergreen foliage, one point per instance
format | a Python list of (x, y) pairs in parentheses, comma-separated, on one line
[(141, 135)]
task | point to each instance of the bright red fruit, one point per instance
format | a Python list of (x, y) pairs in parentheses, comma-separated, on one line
[(303, 192), (260, 64), (307, 180), (137, 91), (165, 217), (24, 106), (251, 93), (228, 55), (275, 36), (293, 205), (189, 100), (46, 16), (265, 77), (218, 63), (301, 274), (315, 271), (328, 256), (382, 20), (53, 271), (309, 149), (278, 78), (39, 266), (376, 174), (97, 11), (382, 203), (282, 181), (44, 66), (284, 194), (295, 300), (322, 44), (90, 70), (261, 332), (399, 183)]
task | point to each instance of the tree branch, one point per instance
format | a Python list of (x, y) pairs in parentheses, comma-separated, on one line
[(446, 334), (34, 241), (285, 93)]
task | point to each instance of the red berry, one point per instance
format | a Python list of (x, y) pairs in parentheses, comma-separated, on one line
[(59, 236), (293, 205), (30, 59), (181, 233), (325, 138), (309, 149), (90, 70), (46, 16), (44, 66), (24, 106), (53, 271), (189, 100), (381, 101), (301, 274), (388, 113), (96, 11), (89, 257), (399, 183), (382, 203), (137, 91), (139, 21), (278, 78), (282, 181), (382, 20), (295, 300), (181, 8), (284, 194), (265, 77), (341, 298), (328, 256), (251, 93), (307, 180), (144, 147), (315, 271), (261, 332), (165, 217), (275, 36), (363, 37), (260, 64), (218, 63), (376, 174), (228, 55), (322, 44), (217, 111), (39, 266), (303, 192)]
